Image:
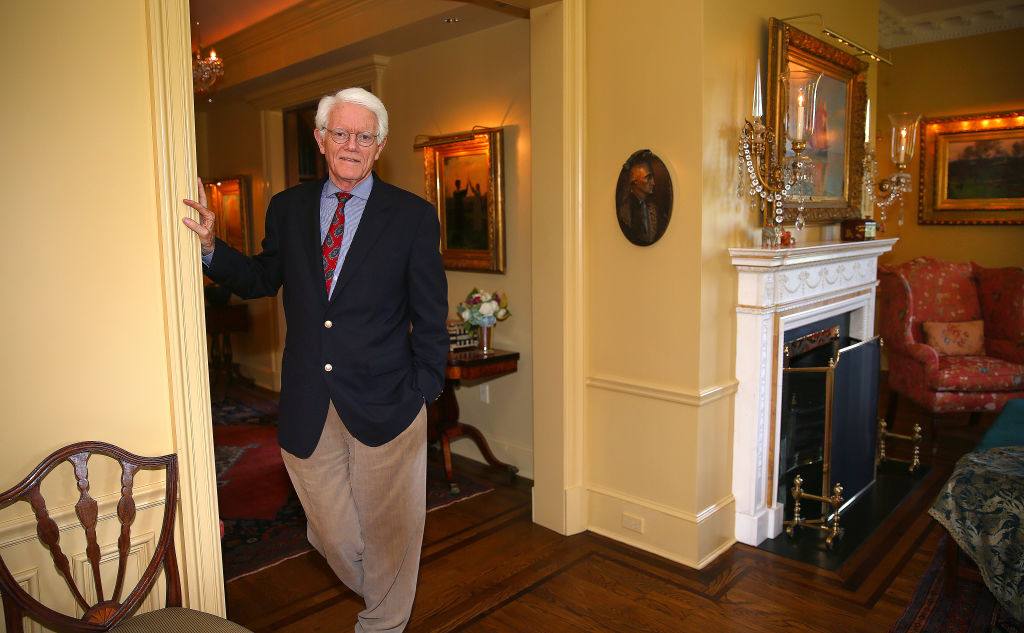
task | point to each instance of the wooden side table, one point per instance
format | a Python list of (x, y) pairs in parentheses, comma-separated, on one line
[(221, 321), (443, 415)]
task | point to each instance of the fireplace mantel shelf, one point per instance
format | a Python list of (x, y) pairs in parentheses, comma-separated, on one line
[(810, 253)]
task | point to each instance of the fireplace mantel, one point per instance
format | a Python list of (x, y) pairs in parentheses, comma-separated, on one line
[(779, 289)]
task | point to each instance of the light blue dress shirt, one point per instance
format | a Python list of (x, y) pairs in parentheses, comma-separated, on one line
[(353, 214), (328, 204)]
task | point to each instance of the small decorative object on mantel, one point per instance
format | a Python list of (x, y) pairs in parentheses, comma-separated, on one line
[(858, 230), (480, 311)]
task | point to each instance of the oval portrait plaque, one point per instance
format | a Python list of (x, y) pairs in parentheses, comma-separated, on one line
[(643, 198)]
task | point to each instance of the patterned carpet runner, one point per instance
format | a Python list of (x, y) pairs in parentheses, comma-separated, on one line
[(972, 609)]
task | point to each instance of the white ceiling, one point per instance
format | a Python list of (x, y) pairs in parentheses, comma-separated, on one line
[(906, 22)]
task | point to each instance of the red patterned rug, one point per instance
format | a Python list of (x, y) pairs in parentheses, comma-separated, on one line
[(263, 519), (972, 609)]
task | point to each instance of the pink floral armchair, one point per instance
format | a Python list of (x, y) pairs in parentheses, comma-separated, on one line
[(968, 367)]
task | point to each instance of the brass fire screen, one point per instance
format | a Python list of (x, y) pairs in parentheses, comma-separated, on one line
[(829, 425)]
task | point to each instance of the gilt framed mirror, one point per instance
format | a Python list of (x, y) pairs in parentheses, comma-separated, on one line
[(836, 147)]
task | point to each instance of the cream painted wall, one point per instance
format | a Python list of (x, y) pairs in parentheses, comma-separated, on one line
[(643, 303), (86, 349), (90, 253), (482, 79), (970, 75), (556, 121)]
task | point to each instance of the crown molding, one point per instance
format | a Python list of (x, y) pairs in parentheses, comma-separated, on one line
[(367, 72), (896, 28)]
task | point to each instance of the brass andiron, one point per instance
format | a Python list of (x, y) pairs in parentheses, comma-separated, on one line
[(825, 525), (915, 437)]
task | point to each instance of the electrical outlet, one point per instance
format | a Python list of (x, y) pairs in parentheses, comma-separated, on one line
[(631, 522), (485, 394)]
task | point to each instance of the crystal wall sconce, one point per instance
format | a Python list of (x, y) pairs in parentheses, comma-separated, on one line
[(891, 190), (763, 164)]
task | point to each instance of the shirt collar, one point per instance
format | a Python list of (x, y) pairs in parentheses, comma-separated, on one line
[(362, 190)]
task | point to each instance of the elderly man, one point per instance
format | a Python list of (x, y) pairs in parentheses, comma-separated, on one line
[(365, 298)]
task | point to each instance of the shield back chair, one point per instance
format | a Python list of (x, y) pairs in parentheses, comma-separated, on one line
[(954, 334), (100, 604)]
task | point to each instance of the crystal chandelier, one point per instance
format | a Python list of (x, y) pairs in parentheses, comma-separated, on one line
[(205, 70)]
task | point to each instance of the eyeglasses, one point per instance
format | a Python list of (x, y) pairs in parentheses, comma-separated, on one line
[(340, 137)]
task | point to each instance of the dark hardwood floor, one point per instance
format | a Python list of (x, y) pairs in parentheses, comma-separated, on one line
[(487, 567)]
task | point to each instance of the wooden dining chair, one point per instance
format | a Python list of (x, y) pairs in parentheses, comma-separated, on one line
[(105, 609)]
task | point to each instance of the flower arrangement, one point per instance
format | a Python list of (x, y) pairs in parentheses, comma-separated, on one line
[(480, 309)]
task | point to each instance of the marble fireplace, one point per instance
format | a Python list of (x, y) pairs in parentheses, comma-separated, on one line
[(781, 289)]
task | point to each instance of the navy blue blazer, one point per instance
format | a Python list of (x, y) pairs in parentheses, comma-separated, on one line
[(382, 333)]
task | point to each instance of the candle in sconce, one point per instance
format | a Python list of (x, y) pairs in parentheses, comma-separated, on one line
[(901, 153), (799, 117), (757, 111), (867, 123)]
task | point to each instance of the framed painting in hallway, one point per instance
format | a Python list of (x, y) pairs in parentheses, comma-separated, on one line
[(464, 179)]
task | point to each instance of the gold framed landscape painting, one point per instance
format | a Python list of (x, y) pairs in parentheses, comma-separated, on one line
[(972, 169), (464, 178)]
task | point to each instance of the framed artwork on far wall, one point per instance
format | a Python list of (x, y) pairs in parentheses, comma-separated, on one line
[(464, 179), (229, 199), (836, 148), (972, 169)]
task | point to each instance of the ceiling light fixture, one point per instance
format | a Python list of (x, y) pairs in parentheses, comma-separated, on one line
[(205, 70)]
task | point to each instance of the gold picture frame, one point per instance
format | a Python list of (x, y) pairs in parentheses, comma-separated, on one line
[(464, 179), (838, 151), (972, 169), (229, 199)]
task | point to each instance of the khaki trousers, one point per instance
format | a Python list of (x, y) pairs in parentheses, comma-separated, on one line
[(365, 508)]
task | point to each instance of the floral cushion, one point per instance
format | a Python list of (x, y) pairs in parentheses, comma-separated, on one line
[(965, 338)]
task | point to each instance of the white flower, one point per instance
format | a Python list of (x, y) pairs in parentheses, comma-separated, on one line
[(487, 308), (501, 314)]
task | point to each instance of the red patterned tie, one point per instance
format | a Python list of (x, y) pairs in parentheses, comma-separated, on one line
[(332, 241)]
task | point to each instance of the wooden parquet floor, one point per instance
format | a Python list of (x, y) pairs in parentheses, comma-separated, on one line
[(487, 568)]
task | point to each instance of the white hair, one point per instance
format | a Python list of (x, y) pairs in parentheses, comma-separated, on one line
[(357, 96)]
